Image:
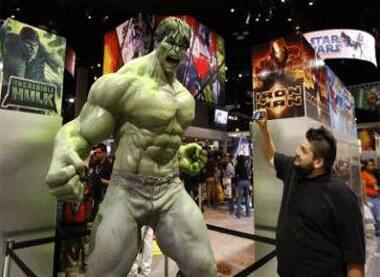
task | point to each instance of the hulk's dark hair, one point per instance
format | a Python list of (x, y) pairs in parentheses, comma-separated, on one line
[(323, 145), (28, 33), (172, 26)]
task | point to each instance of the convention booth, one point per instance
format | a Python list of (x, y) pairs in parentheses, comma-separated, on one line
[(298, 91)]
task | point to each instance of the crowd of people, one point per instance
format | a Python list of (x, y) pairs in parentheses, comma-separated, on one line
[(227, 181)]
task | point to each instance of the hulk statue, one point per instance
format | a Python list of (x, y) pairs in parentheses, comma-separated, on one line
[(146, 110)]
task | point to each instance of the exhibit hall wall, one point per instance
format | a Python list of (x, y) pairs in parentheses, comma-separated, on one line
[(30, 115)]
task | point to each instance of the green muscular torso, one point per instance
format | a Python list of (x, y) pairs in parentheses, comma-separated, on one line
[(149, 119)]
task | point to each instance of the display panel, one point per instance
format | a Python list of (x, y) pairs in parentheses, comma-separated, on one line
[(237, 146), (343, 44), (202, 71), (277, 74), (367, 97), (220, 117), (316, 94), (367, 138), (341, 104), (33, 66), (131, 39), (70, 61)]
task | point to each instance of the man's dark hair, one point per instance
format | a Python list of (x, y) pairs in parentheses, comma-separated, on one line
[(323, 145), (102, 147), (28, 33)]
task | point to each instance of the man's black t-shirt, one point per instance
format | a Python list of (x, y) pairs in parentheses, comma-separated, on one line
[(320, 228)]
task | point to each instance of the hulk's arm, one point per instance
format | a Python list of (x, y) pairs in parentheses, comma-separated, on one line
[(94, 124)]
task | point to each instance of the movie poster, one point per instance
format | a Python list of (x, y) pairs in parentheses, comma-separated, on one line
[(278, 77), (237, 146), (367, 138), (347, 166), (349, 123), (315, 87), (341, 104), (202, 71), (367, 97), (33, 67), (335, 88), (131, 39)]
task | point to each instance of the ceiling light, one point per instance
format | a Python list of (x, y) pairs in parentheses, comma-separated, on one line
[(17, 9), (298, 27), (13, 16), (311, 3), (71, 100), (283, 1), (95, 78), (89, 16), (241, 37), (232, 10), (98, 65), (257, 19), (267, 19), (240, 75), (237, 130), (225, 67), (290, 19), (248, 18), (245, 33)]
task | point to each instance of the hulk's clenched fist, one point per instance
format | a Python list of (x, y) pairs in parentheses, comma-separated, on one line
[(192, 158)]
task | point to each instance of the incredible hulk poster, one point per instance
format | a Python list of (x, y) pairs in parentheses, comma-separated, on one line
[(33, 66)]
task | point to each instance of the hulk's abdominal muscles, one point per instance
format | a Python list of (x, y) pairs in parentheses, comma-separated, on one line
[(142, 152)]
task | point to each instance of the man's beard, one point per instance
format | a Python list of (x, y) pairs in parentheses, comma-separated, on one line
[(304, 170)]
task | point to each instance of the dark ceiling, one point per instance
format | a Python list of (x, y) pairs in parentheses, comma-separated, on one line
[(262, 19)]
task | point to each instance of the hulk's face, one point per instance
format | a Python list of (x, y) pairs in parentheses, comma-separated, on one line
[(170, 52), (30, 48)]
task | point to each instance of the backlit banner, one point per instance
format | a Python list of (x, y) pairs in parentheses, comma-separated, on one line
[(343, 44), (367, 96), (131, 39), (33, 66), (202, 71), (316, 94), (278, 77), (342, 107), (367, 137)]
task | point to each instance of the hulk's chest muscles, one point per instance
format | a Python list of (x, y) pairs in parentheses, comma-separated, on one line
[(155, 107)]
